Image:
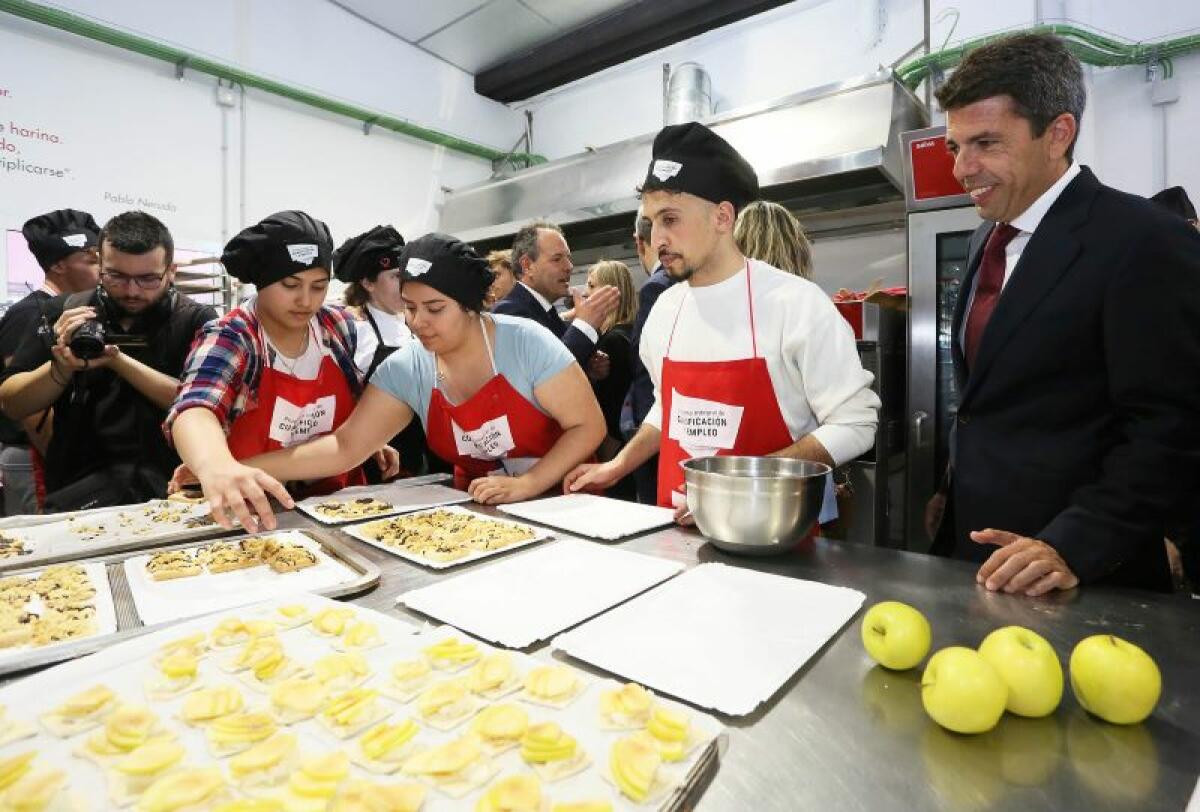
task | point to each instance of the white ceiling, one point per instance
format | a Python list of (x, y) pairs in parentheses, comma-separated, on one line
[(478, 34)]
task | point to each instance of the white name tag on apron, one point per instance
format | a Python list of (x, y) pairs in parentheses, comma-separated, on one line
[(292, 424), (490, 441), (703, 427)]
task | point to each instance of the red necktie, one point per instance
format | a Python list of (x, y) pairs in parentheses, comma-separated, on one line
[(987, 287)]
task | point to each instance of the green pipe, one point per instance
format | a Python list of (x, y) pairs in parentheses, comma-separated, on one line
[(1089, 46), (83, 27)]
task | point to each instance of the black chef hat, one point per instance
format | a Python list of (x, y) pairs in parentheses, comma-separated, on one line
[(285, 243), (449, 265), (692, 158), (364, 256), (59, 234), (1176, 199)]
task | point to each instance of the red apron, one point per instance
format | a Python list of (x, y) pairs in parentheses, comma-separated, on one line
[(290, 411), (716, 408), (494, 429)]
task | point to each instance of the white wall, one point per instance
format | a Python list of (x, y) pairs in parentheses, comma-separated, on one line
[(806, 44), (124, 129)]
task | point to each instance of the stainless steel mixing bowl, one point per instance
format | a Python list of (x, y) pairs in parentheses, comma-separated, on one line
[(754, 505)]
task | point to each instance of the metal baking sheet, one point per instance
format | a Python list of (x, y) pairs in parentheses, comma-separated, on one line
[(106, 616), (68, 536), (403, 498), (130, 624), (539, 535), (124, 668), (162, 601)]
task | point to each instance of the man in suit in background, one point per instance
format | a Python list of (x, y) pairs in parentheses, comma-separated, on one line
[(541, 260), (1077, 341)]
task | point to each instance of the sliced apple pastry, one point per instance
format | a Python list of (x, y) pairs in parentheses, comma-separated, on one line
[(582, 806), (208, 704), (514, 793), (193, 644), (12, 730), (133, 773), (673, 732), (626, 708), (313, 787), (291, 615), (359, 636), (368, 796), (500, 727), (188, 790), (40, 789), (555, 686), (408, 678), (125, 729), (272, 670), (250, 654), (341, 671), (81, 712), (494, 676), (331, 621), (634, 767), (446, 705), (13, 767), (238, 732), (456, 768), (384, 747), (352, 712), (452, 654), (266, 764), (233, 631), (297, 699), (552, 752), (174, 674)]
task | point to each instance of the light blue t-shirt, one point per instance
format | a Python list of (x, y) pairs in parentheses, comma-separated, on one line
[(526, 353)]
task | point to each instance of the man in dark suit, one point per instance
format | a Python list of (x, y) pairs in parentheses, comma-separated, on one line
[(1077, 341), (541, 260)]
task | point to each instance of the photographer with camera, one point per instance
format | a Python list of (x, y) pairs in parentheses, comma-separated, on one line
[(108, 361)]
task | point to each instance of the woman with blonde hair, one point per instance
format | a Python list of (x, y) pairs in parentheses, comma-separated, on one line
[(616, 342), (768, 232), (500, 263)]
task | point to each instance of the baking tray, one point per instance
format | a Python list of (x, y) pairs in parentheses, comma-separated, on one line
[(404, 498), (106, 614), (356, 531), (123, 669), (53, 542), (129, 623), (591, 516)]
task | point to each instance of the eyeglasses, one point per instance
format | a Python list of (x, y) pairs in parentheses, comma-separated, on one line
[(144, 281)]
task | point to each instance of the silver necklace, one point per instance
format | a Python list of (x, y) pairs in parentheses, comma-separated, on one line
[(283, 359)]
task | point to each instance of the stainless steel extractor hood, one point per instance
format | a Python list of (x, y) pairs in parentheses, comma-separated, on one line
[(831, 147)]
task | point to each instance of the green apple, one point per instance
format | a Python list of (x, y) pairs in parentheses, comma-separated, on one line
[(1030, 668), (962, 692), (1114, 679), (896, 635)]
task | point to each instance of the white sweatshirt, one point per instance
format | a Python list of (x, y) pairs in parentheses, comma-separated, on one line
[(810, 351)]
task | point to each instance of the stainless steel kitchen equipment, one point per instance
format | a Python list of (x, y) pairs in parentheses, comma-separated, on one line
[(754, 505), (940, 221)]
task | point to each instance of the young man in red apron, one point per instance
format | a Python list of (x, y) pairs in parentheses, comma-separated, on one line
[(746, 359), (274, 373)]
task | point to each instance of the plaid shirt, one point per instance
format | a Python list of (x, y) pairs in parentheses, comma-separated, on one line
[(225, 365)]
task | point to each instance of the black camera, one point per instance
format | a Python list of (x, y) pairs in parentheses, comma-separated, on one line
[(87, 344)]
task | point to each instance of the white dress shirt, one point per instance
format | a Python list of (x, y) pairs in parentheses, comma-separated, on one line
[(393, 328), (583, 327)]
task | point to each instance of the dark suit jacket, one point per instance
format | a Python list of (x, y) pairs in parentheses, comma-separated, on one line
[(1079, 423), (520, 302), (641, 390)]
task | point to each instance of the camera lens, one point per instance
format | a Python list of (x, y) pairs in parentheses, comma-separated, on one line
[(88, 342)]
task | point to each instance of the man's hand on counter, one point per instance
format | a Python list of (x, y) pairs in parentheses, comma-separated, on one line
[(1022, 564), (593, 477), (501, 490)]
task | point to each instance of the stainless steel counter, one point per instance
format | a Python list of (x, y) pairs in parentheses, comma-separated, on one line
[(845, 735)]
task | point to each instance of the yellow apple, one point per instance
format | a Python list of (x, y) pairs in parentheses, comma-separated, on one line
[(962, 692), (1114, 679), (1029, 667), (896, 635)]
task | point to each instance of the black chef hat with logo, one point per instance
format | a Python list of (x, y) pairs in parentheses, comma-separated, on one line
[(364, 256), (448, 265), (58, 234), (692, 158), (283, 244)]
